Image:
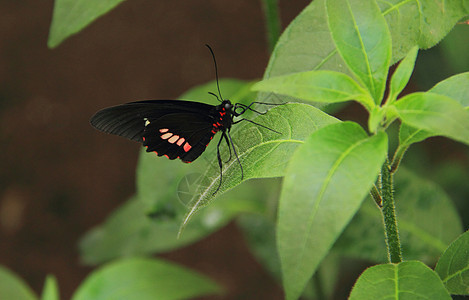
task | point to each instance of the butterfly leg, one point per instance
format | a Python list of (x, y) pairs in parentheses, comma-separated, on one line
[(236, 154), (220, 164), (229, 146)]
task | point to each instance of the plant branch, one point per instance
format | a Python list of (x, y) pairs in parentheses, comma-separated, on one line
[(389, 215), (272, 19)]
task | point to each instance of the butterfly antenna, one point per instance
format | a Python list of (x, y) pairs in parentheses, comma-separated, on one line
[(216, 70)]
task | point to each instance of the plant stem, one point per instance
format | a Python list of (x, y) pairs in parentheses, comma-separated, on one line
[(272, 19), (389, 215)]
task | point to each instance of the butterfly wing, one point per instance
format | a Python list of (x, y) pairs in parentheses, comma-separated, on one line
[(178, 135), (177, 129)]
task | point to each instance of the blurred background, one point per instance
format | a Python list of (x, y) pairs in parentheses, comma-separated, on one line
[(59, 177)]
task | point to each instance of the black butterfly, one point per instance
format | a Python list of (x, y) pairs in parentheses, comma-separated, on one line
[(176, 128)]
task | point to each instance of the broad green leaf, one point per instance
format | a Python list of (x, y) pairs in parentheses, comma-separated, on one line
[(51, 289), (13, 287), (427, 218), (410, 280), (453, 266), (306, 43), (362, 38), (455, 87), (438, 114), (259, 233), (319, 86), (401, 76), (426, 22), (144, 278), (159, 193), (325, 183), (261, 152), (71, 16), (129, 231)]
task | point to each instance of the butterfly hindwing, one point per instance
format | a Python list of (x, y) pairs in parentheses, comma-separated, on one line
[(180, 135)]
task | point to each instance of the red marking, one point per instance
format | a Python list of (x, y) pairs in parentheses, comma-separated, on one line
[(166, 136), (163, 130), (187, 147), (222, 113), (173, 139), (180, 141), (166, 155), (143, 138)]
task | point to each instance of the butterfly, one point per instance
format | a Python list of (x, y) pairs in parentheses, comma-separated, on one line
[(177, 128)]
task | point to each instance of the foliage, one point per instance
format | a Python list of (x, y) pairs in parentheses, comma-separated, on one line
[(334, 51)]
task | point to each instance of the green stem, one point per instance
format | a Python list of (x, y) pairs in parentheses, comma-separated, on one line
[(389, 215), (272, 19)]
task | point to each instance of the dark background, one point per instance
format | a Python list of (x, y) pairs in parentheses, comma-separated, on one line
[(58, 176)]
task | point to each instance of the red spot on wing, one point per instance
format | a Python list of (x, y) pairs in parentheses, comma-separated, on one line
[(166, 135), (163, 130), (173, 139), (180, 141), (187, 147)]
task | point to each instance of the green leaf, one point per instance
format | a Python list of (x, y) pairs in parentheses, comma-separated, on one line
[(13, 287), (453, 266), (427, 218), (71, 16), (129, 231), (319, 86), (362, 38), (51, 289), (149, 223), (143, 278), (438, 114), (406, 280), (325, 182), (401, 76), (306, 43), (261, 152), (426, 22), (159, 193), (455, 87)]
